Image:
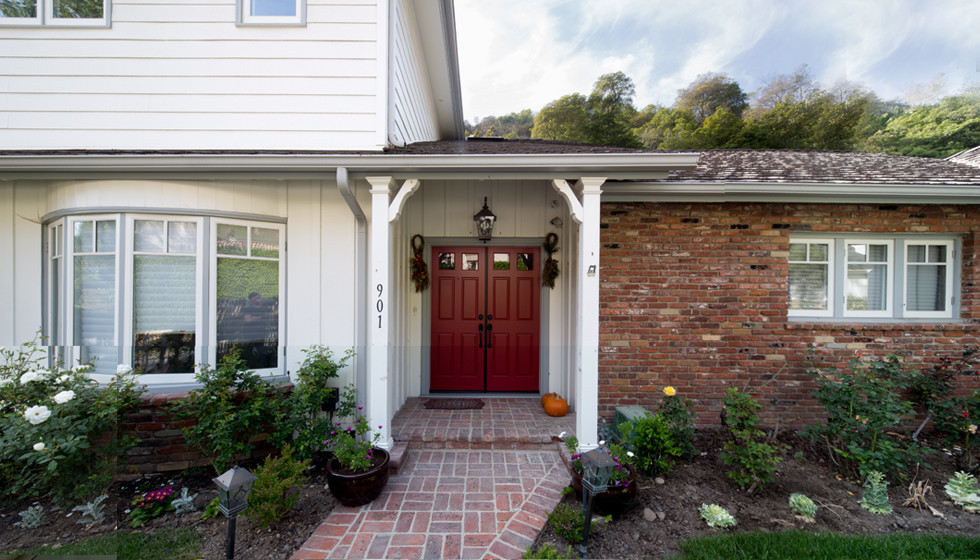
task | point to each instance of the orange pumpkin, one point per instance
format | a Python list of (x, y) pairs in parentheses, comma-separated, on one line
[(547, 397), (556, 406)]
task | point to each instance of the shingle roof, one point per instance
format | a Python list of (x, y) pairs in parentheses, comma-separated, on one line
[(788, 166), (479, 145), (969, 157)]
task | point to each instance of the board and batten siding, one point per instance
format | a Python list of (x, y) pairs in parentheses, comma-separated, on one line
[(180, 75), (413, 116)]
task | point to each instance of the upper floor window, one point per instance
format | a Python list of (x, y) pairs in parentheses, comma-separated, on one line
[(163, 294), (271, 12), (85, 13), (898, 278)]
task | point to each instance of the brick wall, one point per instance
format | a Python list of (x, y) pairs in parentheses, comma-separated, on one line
[(695, 296), (162, 447)]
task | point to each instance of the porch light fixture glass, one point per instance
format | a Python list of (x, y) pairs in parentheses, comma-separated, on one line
[(597, 468), (484, 222), (234, 486)]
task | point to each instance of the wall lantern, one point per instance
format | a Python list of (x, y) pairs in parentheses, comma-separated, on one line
[(597, 468), (234, 486), (484, 222)]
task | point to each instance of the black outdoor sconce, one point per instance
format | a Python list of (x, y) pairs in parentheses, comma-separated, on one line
[(484, 222)]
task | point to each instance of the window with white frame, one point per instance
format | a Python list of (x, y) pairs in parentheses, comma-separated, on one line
[(898, 278), (271, 12), (164, 294), (83, 13)]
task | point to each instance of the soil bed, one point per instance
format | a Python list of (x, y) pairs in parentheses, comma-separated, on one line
[(278, 541), (667, 514)]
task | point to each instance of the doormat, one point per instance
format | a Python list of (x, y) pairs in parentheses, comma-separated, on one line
[(454, 404)]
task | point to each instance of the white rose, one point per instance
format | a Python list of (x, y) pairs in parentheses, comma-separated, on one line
[(39, 446), (123, 369), (28, 377), (37, 414), (64, 396), (64, 378), (5, 381)]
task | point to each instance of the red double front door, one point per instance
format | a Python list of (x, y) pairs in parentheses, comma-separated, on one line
[(485, 319)]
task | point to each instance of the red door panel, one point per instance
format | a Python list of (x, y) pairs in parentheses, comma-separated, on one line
[(456, 358)]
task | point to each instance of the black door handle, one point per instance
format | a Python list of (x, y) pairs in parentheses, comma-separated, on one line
[(489, 336), (480, 330)]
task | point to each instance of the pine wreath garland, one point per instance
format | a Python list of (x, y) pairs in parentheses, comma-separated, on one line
[(420, 271), (550, 271)]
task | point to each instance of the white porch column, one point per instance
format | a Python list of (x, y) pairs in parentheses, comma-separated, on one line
[(587, 305), (377, 389)]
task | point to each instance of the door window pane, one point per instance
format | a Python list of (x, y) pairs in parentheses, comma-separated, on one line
[(471, 261), (447, 261), (501, 261), (525, 261)]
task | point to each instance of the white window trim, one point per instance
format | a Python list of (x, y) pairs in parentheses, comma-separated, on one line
[(888, 311), (128, 319), (45, 18), (213, 288), (205, 347), (68, 297), (243, 9), (829, 312), (950, 261)]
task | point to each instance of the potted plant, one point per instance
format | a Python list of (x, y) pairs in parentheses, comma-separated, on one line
[(621, 493), (358, 471)]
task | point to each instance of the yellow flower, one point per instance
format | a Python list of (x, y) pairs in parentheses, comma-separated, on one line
[(669, 391), (972, 428)]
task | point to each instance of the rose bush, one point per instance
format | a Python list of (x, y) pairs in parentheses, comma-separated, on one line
[(58, 433)]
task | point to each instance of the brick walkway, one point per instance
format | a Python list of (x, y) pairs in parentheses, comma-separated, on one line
[(474, 484)]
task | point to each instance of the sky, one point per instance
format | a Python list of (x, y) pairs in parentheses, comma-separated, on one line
[(523, 54)]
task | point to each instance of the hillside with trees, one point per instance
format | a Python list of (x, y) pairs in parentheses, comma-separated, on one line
[(790, 111)]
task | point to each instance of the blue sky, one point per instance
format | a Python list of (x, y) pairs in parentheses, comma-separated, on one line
[(522, 54)]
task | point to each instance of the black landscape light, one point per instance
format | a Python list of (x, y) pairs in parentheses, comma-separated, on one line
[(597, 469), (234, 486)]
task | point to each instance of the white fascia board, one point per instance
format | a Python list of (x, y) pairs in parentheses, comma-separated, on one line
[(443, 166), (786, 192), (437, 30)]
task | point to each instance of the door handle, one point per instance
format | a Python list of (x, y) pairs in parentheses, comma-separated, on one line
[(489, 336), (479, 328)]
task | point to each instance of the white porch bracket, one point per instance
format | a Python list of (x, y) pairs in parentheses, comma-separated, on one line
[(574, 206), (586, 305), (407, 189), (377, 401)]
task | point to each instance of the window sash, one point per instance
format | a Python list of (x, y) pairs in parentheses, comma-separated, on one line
[(869, 278), (20, 12), (930, 276), (59, 12), (271, 12), (813, 285), (93, 267)]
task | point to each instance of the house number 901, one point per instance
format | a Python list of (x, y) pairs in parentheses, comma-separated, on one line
[(380, 305)]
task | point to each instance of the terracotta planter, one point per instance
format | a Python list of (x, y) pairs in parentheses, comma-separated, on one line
[(357, 489), (615, 500)]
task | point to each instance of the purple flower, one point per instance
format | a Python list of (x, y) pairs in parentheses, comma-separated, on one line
[(360, 408), (379, 427)]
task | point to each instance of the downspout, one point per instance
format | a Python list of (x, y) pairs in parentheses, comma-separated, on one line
[(360, 278)]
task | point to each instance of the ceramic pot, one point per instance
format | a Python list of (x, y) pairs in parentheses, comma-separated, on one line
[(357, 489)]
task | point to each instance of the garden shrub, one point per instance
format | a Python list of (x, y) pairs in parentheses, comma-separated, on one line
[(547, 551), (570, 523), (652, 443), (304, 423), (962, 488), (59, 432), (752, 457), (274, 492), (679, 414), (875, 498), (864, 406), (232, 405), (955, 418)]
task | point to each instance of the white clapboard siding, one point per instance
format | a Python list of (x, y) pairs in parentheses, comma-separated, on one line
[(181, 75), (414, 116)]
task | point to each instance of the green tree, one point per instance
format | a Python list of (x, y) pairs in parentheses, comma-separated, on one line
[(511, 125), (604, 117), (711, 92), (937, 130)]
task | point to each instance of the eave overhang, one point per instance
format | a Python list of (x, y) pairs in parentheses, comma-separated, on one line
[(790, 192), (614, 166)]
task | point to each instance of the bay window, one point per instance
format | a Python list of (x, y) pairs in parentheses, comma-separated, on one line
[(164, 294), (890, 278)]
